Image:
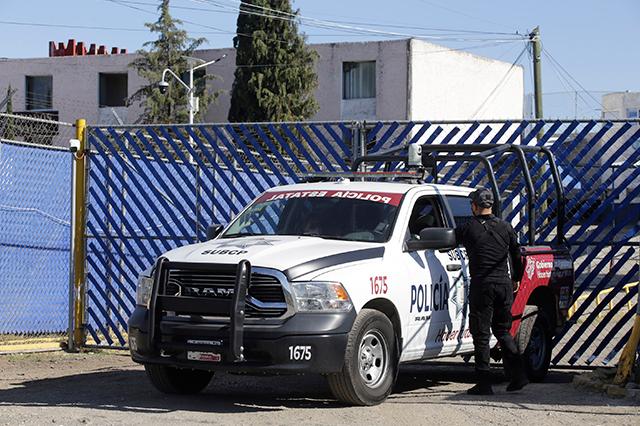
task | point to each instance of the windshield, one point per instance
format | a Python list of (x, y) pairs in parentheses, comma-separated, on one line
[(340, 215)]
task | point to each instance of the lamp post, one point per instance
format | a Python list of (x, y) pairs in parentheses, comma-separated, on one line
[(192, 104)]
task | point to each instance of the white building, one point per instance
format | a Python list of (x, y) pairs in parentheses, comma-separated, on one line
[(621, 105), (386, 80)]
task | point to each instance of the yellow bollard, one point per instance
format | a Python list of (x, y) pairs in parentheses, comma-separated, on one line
[(628, 354), (627, 289), (79, 230)]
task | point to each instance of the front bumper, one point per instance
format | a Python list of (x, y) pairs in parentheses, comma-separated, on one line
[(305, 342)]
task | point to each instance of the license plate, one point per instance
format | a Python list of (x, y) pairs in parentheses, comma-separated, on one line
[(204, 356)]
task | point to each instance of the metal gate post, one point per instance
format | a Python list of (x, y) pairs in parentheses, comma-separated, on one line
[(355, 140), (358, 141), (78, 249)]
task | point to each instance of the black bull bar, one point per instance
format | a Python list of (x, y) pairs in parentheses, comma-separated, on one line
[(237, 312)]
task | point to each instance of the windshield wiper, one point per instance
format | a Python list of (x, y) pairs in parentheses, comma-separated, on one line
[(241, 234), (323, 236)]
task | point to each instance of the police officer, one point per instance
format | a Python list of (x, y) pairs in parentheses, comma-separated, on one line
[(490, 243)]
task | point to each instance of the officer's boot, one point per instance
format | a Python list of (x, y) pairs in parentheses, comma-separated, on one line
[(484, 384), (515, 365)]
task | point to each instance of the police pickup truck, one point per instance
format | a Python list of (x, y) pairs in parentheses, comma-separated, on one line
[(347, 277)]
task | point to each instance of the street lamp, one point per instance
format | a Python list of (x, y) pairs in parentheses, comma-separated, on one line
[(193, 102)]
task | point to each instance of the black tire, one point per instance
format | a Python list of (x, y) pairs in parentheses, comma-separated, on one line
[(534, 341), (370, 362), (177, 381)]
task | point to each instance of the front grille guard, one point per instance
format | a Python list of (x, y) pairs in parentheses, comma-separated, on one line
[(238, 304)]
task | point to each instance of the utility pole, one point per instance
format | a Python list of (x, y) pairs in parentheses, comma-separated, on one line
[(536, 47), (534, 37)]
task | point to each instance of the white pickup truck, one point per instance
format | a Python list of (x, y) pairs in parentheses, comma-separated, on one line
[(344, 278)]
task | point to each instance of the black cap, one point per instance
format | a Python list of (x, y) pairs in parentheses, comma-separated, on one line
[(482, 197)]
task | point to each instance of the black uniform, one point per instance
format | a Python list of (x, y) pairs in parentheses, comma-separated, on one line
[(490, 243)]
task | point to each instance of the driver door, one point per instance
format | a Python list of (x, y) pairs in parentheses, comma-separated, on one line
[(435, 318)]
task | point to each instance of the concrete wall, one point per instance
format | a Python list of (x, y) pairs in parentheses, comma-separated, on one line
[(75, 83), (452, 85), (439, 83), (616, 105), (391, 81), (218, 111)]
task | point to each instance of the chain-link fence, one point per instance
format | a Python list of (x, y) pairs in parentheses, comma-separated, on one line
[(35, 216), (35, 128), (155, 187), (152, 188)]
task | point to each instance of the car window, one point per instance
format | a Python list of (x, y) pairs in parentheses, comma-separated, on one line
[(342, 215), (426, 213), (460, 208)]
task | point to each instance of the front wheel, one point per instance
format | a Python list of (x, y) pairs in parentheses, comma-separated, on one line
[(178, 381), (370, 363), (537, 353)]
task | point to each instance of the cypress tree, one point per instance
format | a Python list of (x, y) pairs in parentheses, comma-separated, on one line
[(274, 77), (168, 51)]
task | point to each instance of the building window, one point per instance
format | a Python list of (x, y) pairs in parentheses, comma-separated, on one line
[(113, 90), (633, 113), (358, 80), (39, 94)]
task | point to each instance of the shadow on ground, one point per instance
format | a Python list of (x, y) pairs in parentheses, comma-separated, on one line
[(129, 390)]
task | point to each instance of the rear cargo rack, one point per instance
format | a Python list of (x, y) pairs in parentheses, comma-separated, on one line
[(418, 175), (430, 155)]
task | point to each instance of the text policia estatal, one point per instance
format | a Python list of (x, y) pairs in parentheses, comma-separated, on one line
[(376, 197)]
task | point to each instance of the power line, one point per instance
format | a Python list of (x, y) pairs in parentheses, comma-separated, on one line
[(230, 32), (502, 80), (369, 24), (563, 74), (457, 12), (313, 22), (85, 27), (555, 62)]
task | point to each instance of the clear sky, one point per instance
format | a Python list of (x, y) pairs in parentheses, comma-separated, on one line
[(595, 42)]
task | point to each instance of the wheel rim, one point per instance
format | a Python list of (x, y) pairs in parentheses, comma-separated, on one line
[(537, 348), (373, 359)]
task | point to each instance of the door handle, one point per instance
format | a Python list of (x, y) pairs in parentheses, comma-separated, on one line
[(454, 267)]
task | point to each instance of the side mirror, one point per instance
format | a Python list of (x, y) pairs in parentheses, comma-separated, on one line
[(214, 230), (434, 239)]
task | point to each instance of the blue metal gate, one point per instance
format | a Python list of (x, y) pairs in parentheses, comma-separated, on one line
[(153, 188)]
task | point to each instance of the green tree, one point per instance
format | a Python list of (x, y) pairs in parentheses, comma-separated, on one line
[(274, 77), (170, 50)]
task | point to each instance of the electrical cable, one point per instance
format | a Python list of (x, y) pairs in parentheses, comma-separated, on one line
[(560, 70), (335, 24), (86, 27), (502, 80), (461, 13), (371, 24)]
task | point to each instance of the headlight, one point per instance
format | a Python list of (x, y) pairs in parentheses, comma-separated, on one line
[(143, 291), (315, 296)]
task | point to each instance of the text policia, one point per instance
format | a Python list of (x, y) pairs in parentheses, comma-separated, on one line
[(376, 197)]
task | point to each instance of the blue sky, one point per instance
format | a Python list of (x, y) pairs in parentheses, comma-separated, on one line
[(596, 42)]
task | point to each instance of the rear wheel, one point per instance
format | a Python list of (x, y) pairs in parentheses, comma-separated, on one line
[(535, 336), (370, 363), (178, 381)]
